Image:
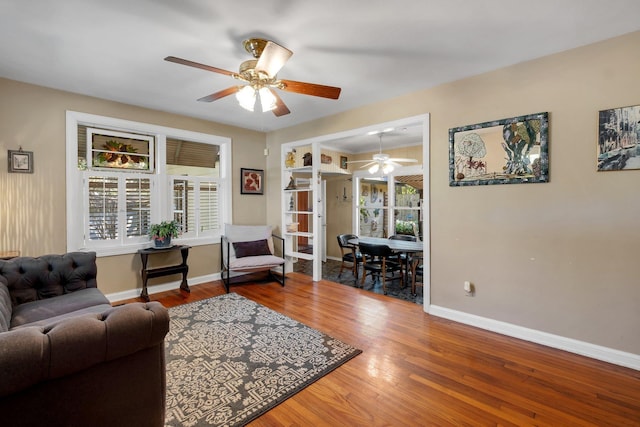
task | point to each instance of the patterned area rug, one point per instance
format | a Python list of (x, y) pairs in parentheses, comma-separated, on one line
[(229, 360)]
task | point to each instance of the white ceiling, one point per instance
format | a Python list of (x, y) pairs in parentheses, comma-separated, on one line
[(374, 50)]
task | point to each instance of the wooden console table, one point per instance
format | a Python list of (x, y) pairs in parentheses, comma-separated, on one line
[(9, 254), (149, 273)]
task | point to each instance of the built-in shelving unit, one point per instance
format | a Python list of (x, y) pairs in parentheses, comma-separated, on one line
[(304, 169), (298, 213)]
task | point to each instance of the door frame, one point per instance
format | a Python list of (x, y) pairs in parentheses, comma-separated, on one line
[(318, 141)]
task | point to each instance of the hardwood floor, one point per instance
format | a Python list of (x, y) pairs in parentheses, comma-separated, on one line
[(421, 370)]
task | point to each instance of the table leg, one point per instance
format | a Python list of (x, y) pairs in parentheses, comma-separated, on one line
[(144, 294), (184, 285)]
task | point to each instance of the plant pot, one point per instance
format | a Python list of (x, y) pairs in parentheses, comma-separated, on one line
[(162, 243)]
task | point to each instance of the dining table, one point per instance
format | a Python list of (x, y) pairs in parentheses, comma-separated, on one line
[(400, 246)]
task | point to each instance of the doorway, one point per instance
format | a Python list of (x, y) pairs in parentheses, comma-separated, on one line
[(344, 142)]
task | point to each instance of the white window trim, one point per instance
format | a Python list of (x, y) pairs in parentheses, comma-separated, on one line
[(161, 207)]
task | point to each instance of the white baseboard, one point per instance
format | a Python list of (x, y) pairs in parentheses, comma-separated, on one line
[(593, 351), (135, 293)]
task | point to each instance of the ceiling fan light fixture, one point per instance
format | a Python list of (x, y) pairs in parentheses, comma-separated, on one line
[(267, 100), (387, 168), (373, 169), (246, 97)]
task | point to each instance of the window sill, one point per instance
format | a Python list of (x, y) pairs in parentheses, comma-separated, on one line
[(132, 249)]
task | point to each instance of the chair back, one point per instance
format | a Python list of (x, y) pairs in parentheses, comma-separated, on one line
[(343, 240), (377, 251), (405, 237)]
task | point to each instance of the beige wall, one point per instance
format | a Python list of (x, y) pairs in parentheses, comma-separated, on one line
[(32, 213), (558, 257)]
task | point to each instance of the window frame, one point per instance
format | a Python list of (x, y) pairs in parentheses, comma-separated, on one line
[(391, 207), (161, 199)]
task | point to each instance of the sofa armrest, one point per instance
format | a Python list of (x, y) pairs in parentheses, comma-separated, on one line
[(35, 354)]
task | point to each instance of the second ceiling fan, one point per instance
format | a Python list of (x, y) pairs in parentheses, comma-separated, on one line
[(381, 162), (260, 74)]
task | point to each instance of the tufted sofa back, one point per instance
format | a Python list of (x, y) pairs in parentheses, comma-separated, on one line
[(30, 279)]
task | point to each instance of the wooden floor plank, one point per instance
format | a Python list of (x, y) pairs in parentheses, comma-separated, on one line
[(418, 369)]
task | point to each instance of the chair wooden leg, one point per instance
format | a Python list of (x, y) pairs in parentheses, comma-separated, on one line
[(384, 283), (341, 267)]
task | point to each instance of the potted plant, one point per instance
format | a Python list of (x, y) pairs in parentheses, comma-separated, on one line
[(162, 233)]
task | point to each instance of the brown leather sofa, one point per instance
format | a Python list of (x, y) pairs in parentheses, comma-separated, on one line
[(67, 357)]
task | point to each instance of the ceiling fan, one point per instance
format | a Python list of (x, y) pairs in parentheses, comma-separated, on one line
[(382, 162), (260, 74)]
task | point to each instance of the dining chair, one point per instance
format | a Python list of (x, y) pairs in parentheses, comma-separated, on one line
[(375, 259), (402, 257), (417, 269), (350, 253)]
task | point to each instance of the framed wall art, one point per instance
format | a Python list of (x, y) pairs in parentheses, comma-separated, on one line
[(506, 151), (619, 139), (251, 181), (20, 161), (343, 162)]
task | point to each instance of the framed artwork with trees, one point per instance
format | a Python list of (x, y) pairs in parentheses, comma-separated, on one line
[(506, 151)]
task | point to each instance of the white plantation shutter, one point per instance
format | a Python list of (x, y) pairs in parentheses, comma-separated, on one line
[(103, 208), (119, 207), (196, 205), (209, 212), (138, 200)]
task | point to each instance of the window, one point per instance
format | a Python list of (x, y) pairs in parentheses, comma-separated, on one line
[(123, 176), (194, 170), (391, 204), (373, 208), (104, 195), (407, 205)]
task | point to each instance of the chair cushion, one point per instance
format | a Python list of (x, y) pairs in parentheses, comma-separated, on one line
[(34, 311), (5, 308), (254, 248), (252, 263)]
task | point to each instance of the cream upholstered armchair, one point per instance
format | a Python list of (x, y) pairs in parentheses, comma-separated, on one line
[(249, 249)]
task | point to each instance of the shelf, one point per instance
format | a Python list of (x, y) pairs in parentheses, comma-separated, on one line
[(306, 169), (297, 190), (299, 233), (302, 255), (299, 212)]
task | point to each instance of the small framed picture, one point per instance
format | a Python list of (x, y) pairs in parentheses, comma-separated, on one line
[(20, 161), (343, 162), (251, 181)]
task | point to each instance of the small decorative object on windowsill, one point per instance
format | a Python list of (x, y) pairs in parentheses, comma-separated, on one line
[(162, 233)]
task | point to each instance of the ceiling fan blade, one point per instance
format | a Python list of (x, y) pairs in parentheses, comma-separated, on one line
[(272, 59), (220, 94), (281, 109), (359, 161), (368, 164), (404, 160), (311, 89), (198, 65)]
